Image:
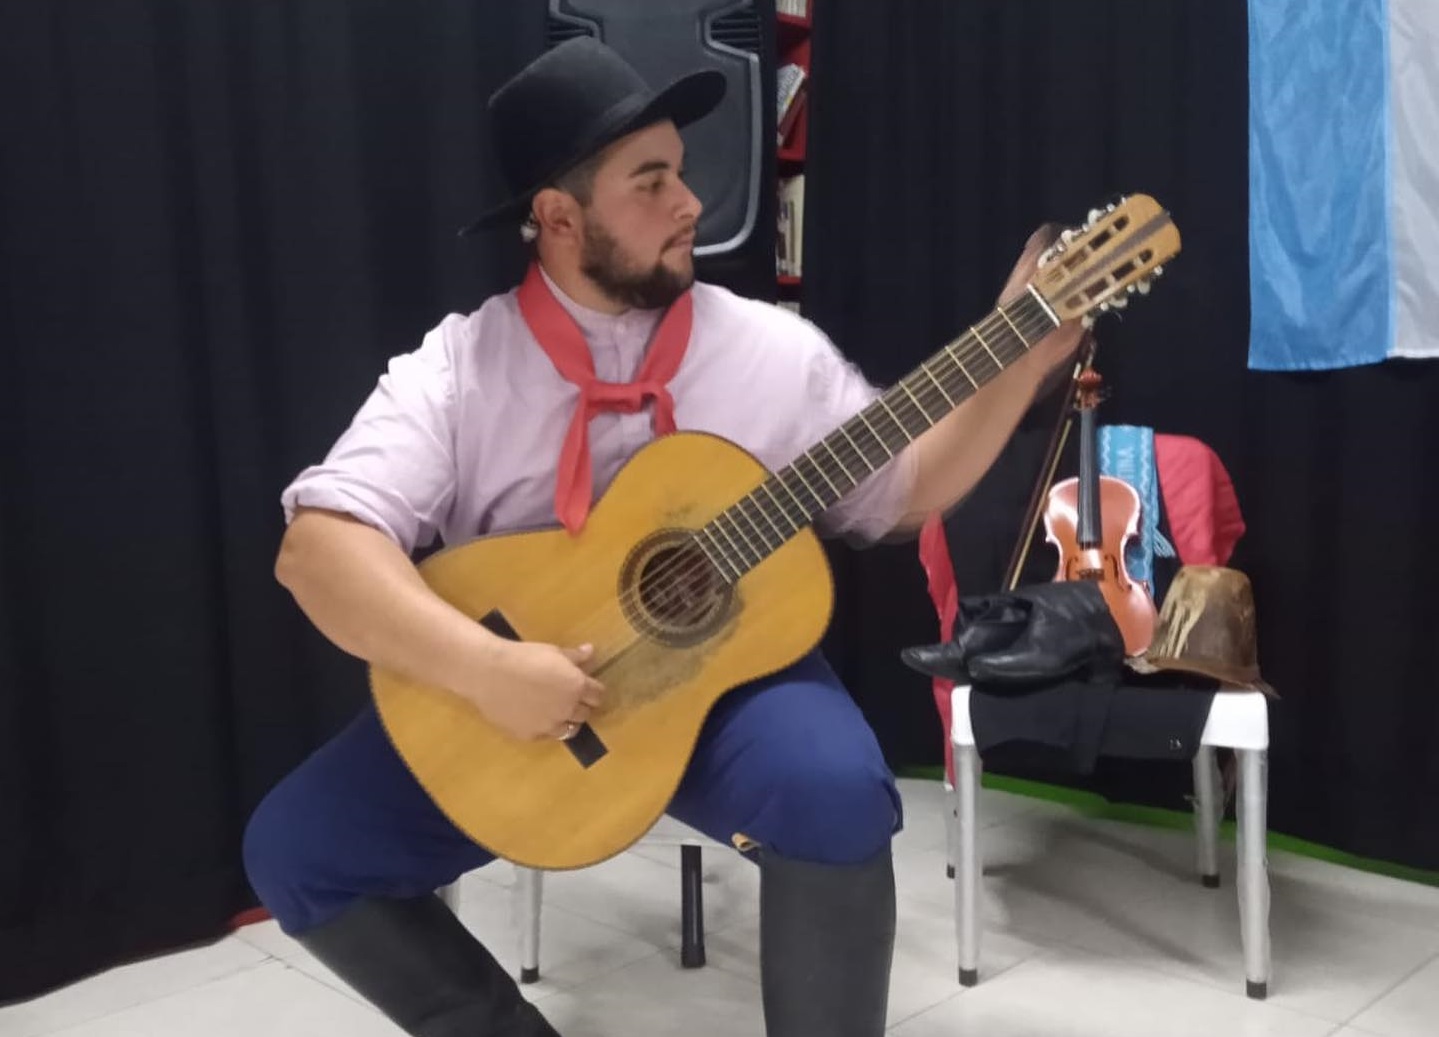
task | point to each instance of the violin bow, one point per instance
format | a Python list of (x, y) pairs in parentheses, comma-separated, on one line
[(1047, 468)]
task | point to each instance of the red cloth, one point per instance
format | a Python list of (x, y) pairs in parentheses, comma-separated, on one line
[(1204, 524), (563, 341), (1199, 501)]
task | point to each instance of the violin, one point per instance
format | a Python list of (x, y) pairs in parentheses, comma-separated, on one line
[(1090, 519)]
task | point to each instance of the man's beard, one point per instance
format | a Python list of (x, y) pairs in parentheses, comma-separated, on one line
[(606, 265)]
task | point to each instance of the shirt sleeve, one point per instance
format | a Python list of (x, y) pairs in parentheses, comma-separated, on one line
[(836, 391), (394, 467)]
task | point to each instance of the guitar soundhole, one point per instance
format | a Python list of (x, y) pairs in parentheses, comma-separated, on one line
[(671, 592)]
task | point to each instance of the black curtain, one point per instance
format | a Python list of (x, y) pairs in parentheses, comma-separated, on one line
[(217, 221), (941, 134)]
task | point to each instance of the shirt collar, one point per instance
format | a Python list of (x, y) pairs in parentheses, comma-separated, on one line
[(599, 326)]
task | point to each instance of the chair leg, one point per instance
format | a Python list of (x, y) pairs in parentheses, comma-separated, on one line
[(529, 892), (450, 896), (1206, 815), (1253, 869), (692, 917), (966, 861), (951, 826)]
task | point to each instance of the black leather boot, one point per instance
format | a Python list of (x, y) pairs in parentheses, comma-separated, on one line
[(1044, 632), (826, 946), (415, 962)]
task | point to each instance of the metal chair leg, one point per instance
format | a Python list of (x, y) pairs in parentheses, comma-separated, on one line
[(1253, 869), (1207, 806), (529, 891), (966, 861)]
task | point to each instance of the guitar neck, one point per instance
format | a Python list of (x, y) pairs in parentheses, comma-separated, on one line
[(747, 532)]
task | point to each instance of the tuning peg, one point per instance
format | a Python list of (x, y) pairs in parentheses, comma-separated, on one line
[(1067, 235), (1094, 214), (1087, 321), (1158, 271), (1133, 288), (1119, 303), (1110, 207), (1142, 287), (1104, 307)]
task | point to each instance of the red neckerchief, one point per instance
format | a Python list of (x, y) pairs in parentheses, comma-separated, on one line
[(563, 341)]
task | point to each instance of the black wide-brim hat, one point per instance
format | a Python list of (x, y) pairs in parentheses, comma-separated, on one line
[(570, 103)]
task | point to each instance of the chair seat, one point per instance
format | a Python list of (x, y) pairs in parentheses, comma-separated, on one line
[(1237, 720)]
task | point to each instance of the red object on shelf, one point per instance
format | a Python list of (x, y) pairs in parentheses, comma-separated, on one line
[(794, 21), (789, 280)]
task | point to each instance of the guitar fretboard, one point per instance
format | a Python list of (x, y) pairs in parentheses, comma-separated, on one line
[(747, 532)]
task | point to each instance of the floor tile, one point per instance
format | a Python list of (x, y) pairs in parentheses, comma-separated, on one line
[(271, 999), (114, 989), (1070, 994), (1409, 1010)]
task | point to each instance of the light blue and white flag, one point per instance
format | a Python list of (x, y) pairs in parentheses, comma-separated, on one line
[(1343, 182)]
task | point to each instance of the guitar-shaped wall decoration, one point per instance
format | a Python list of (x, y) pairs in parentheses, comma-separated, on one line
[(697, 571)]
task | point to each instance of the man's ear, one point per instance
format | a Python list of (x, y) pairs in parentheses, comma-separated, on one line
[(557, 213)]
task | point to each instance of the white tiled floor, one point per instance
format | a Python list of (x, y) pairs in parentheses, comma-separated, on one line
[(1093, 928)]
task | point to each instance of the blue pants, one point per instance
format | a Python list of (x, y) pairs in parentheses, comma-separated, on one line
[(788, 761)]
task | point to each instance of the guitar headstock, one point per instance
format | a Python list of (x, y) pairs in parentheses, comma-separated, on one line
[(1116, 254)]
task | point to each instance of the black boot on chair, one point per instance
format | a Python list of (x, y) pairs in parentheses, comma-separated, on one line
[(415, 962), (826, 946)]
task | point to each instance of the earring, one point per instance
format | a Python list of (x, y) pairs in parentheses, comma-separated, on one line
[(529, 230)]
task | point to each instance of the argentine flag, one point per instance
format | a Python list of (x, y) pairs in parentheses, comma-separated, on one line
[(1343, 182)]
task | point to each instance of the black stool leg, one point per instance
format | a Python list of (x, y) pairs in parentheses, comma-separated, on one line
[(692, 951)]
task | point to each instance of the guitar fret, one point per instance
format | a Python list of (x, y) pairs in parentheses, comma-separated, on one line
[(937, 384), (735, 513), (795, 469), (765, 514), (794, 526), (1013, 328), (722, 557), (895, 418), (839, 461), (975, 332), (858, 452), (785, 486), (823, 475), (917, 404), (949, 352), (737, 550)]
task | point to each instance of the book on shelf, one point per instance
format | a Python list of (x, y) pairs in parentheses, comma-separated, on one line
[(797, 8), (789, 239)]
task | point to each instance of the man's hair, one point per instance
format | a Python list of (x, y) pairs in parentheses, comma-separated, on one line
[(577, 181)]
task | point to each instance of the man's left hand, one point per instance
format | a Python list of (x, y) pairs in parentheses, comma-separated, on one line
[(1059, 346)]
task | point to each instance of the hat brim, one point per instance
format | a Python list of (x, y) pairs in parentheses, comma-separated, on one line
[(686, 100), (1233, 678)]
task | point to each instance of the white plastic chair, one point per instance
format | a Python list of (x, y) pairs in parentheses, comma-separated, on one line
[(529, 897), (1238, 720)]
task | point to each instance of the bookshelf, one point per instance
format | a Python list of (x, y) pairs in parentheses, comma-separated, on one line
[(794, 20)]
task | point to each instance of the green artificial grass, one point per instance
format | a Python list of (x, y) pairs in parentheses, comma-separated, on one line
[(1093, 805)]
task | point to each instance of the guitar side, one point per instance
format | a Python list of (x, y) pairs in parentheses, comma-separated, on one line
[(535, 803)]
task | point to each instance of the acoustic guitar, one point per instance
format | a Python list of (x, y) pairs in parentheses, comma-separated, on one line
[(697, 571)]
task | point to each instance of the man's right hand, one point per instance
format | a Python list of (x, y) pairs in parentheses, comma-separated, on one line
[(536, 691)]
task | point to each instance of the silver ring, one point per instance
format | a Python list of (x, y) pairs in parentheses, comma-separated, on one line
[(571, 729)]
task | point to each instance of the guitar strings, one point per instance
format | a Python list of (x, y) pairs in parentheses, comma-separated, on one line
[(690, 564)]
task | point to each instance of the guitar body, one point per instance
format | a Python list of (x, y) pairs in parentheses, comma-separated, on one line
[(664, 663)]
